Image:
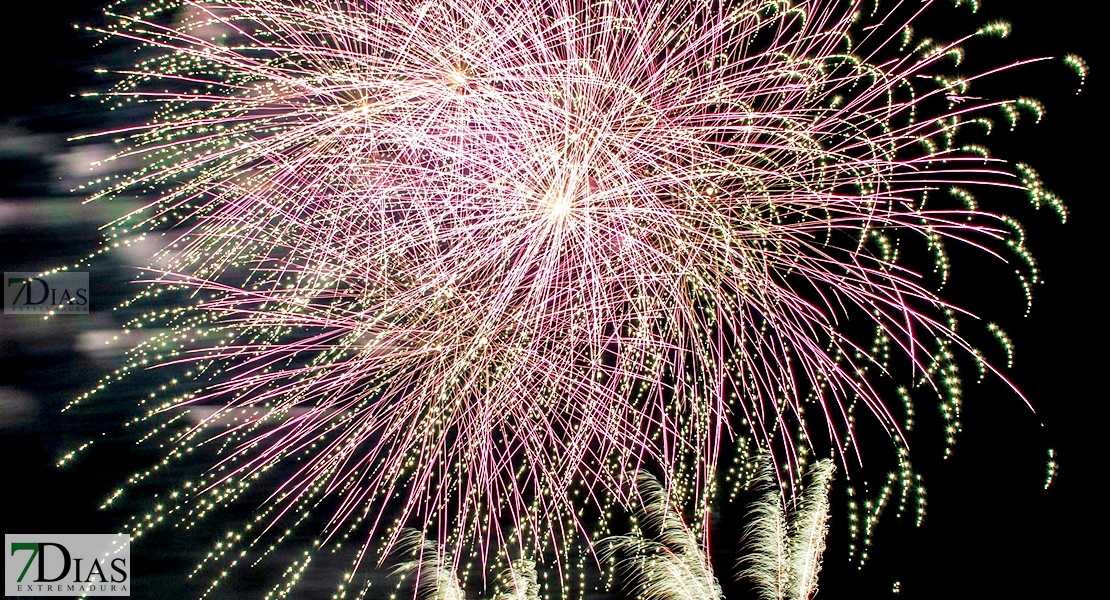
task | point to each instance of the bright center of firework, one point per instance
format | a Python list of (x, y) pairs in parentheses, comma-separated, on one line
[(559, 206), (457, 78)]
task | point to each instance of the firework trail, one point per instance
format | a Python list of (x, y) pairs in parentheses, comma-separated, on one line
[(472, 264)]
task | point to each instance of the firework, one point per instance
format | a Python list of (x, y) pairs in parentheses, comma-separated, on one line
[(473, 264), (783, 557), (665, 559)]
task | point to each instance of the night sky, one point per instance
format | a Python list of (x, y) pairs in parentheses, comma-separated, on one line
[(991, 531)]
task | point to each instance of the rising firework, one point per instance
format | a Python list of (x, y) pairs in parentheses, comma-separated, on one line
[(473, 264)]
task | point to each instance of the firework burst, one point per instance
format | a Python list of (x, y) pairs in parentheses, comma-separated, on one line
[(473, 264)]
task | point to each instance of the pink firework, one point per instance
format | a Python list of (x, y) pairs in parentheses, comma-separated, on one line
[(472, 264)]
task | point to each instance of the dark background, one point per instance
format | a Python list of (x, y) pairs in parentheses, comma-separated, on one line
[(992, 530)]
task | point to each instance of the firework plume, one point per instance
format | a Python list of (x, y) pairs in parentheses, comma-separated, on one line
[(434, 572), (430, 565), (665, 560), (783, 556), (471, 264)]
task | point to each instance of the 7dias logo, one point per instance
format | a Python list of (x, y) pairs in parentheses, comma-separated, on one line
[(61, 293), (67, 565)]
